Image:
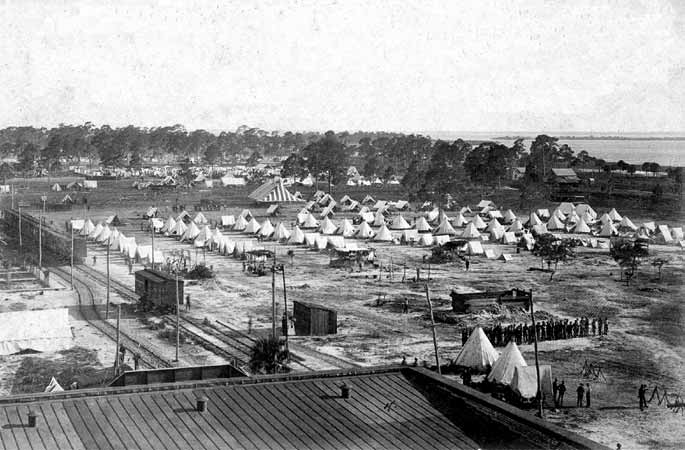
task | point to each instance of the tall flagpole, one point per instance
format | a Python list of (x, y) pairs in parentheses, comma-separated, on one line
[(71, 268), (153, 241)]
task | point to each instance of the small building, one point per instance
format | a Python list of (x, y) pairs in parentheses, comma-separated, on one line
[(565, 176), (159, 288), (314, 320), (477, 301)]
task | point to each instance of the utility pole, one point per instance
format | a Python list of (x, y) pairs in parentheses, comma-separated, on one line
[(71, 268), (40, 234), (273, 300), (152, 228), (285, 305), (109, 240), (537, 365), (21, 245), (116, 358), (435, 339), (178, 319)]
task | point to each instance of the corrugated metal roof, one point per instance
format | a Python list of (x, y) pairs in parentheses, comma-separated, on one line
[(273, 192), (388, 408)]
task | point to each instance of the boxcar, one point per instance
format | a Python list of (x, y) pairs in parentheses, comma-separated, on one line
[(158, 289)]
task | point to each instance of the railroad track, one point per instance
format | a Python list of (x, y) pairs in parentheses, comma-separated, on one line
[(90, 313), (120, 288), (228, 342)]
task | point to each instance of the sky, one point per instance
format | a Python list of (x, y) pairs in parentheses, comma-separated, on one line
[(482, 65)]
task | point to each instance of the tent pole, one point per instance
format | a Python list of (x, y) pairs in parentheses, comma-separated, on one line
[(109, 241), (435, 339), (537, 365)]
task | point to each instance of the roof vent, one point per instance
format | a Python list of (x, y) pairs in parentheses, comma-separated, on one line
[(32, 418), (201, 404), (344, 391)]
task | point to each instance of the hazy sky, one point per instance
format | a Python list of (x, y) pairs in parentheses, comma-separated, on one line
[(394, 65)]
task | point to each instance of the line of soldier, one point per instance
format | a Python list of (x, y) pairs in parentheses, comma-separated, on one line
[(550, 330)]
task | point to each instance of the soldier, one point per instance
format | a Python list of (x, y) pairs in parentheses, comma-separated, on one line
[(606, 326), (594, 327), (562, 391)]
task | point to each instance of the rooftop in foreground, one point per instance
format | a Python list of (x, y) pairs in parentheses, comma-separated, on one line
[(388, 407)]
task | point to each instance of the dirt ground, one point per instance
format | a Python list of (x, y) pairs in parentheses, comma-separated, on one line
[(645, 343)]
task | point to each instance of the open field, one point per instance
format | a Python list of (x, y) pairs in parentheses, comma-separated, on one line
[(645, 344)]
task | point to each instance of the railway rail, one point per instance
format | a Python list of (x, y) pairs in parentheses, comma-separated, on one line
[(89, 311)]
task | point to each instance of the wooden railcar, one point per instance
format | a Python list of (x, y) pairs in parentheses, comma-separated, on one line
[(158, 290)]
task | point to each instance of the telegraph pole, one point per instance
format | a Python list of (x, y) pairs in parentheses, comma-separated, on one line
[(109, 241), (40, 234), (537, 365), (71, 268), (285, 305), (21, 245), (435, 339), (152, 228), (116, 360), (178, 319), (273, 300)]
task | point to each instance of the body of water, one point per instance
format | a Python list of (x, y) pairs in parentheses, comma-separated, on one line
[(635, 151)]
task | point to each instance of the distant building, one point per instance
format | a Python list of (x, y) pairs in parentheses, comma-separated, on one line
[(563, 176)]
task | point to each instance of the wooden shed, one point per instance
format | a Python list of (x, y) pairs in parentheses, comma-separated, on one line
[(477, 301), (159, 288), (314, 320)]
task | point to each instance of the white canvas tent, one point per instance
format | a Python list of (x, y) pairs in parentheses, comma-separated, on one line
[(478, 223), (327, 226), (346, 229), (426, 239), (421, 225), (88, 228), (227, 221), (608, 230), (190, 233), (555, 224), (240, 224), (200, 219), (445, 228), (470, 232), (478, 353), (503, 369), (460, 221), (281, 233), (296, 237), (614, 215), (364, 231), (524, 382), (474, 248), (252, 226), (663, 235), (399, 223), (383, 235), (266, 229), (627, 224), (581, 227), (40, 330), (509, 238), (516, 226)]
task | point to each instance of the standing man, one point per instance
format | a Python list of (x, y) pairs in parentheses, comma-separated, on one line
[(641, 395), (405, 306), (587, 395), (468, 264), (580, 391), (555, 390), (562, 391), (188, 302), (606, 326)]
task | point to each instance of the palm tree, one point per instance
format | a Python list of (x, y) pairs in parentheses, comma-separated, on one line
[(268, 356)]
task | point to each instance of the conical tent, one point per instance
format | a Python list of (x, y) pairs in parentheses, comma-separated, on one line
[(252, 226), (614, 215), (627, 224), (584, 208), (509, 216), (346, 229), (559, 215), (677, 233), (104, 234), (179, 228), (445, 228), (503, 369), (555, 224), (478, 353), (266, 229), (540, 229), (587, 217), (581, 227), (496, 234), (281, 233), (572, 217), (605, 218), (608, 230), (310, 239), (310, 222), (203, 236), (398, 223), (215, 240), (566, 208), (88, 228), (240, 224), (191, 232), (296, 236), (533, 220), (516, 226), (474, 248), (56, 188), (421, 225), (383, 235), (327, 226), (96, 231), (364, 231), (302, 215), (200, 219), (470, 232), (494, 225), (460, 221), (169, 225), (379, 219), (432, 215), (543, 213), (114, 239)]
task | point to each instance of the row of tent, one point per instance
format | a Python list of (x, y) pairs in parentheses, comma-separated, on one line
[(508, 369)]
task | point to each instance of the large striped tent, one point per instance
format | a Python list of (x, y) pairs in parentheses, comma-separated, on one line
[(273, 192)]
